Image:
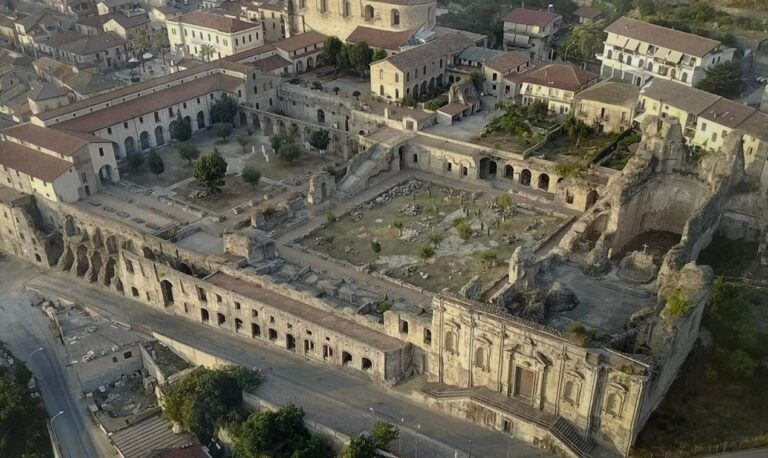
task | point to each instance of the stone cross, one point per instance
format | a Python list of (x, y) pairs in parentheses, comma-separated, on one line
[(645, 247)]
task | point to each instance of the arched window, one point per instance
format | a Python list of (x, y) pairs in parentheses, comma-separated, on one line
[(613, 404), (369, 13), (451, 342), (629, 60), (395, 17), (345, 13), (609, 54), (569, 392), (381, 90), (481, 359), (684, 77)]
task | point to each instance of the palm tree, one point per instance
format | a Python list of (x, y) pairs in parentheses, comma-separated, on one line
[(206, 52)]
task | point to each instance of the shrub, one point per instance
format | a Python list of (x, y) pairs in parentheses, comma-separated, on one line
[(399, 226), (385, 305), (678, 303), (181, 129), (222, 130), (331, 218), (360, 446), (578, 334), (505, 200), (426, 252), (489, 258), (384, 433), (464, 230), (289, 153), (155, 163), (376, 247)]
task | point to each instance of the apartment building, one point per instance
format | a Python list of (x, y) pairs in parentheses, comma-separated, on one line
[(612, 104), (419, 70), (530, 31), (556, 85), (195, 31), (707, 119), (56, 165), (637, 51)]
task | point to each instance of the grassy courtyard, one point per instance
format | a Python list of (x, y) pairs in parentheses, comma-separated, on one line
[(468, 235)]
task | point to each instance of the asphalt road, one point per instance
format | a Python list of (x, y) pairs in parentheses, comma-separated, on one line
[(25, 329), (331, 397)]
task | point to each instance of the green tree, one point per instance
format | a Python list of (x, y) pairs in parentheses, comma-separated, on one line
[(331, 218), (359, 56), (537, 111), (140, 44), (384, 433), (207, 52), (585, 41), (289, 153), (426, 252), (376, 247), (320, 139), (379, 54), (22, 418), (477, 79), (262, 431), (360, 447), (331, 51), (210, 170), (222, 130), (188, 152), (135, 161), (155, 163), (181, 129), (722, 79), (277, 141), (356, 95), (312, 447), (224, 109), (202, 399), (252, 176)]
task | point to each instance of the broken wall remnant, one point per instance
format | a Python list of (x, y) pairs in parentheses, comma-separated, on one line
[(322, 186)]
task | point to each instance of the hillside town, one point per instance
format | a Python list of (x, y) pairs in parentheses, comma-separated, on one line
[(386, 228)]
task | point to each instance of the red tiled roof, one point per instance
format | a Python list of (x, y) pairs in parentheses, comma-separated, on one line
[(151, 102), (383, 39), (61, 141), (587, 12), (299, 41), (508, 61), (530, 17), (560, 76), (32, 162), (664, 37), (216, 22), (129, 90)]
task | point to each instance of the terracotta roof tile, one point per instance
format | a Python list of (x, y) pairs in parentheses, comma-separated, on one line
[(664, 37), (560, 76), (300, 41), (61, 141), (149, 103), (530, 17), (93, 44), (612, 92), (32, 162), (442, 46), (216, 22), (727, 113), (383, 39), (507, 62), (587, 12)]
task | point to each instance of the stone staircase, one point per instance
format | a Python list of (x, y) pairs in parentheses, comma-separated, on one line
[(375, 161), (570, 436)]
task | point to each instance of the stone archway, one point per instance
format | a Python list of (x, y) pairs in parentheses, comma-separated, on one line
[(95, 266), (166, 287), (144, 140), (592, 197), (159, 137), (525, 177), (81, 261), (299, 67), (105, 174), (310, 63), (320, 116), (543, 183), (509, 172), (129, 146)]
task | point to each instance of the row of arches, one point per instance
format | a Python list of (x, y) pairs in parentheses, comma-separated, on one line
[(489, 170), (159, 136), (627, 59)]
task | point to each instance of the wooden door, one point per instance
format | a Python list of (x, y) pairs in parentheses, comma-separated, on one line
[(524, 383)]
